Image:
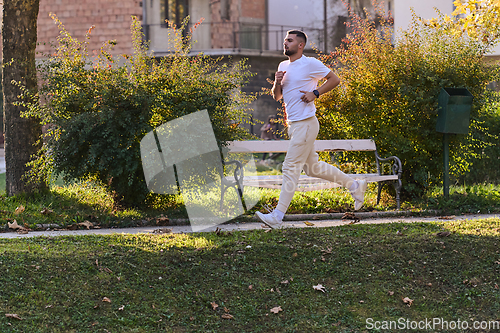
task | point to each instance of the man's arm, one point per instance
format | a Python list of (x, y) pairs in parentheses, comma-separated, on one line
[(332, 81), (277, 89)]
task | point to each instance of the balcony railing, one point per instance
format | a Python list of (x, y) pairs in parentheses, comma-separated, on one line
[(234, 36)]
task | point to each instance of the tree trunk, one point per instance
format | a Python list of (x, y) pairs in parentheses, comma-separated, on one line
[(19, 34)]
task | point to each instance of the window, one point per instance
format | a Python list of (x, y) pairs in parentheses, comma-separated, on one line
[(251, 37), (175, 11), (224, 10)]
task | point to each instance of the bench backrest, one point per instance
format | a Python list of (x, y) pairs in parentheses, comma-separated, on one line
[(281, 146)]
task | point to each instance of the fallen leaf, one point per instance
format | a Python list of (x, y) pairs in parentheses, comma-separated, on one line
[(161, 231), (350, 216), (162, 220), (443, 234), (294, 255), (18, 228), (276, 309), (429, 284), (390, 293), (451, 217), (86, 224), (361, 302), (105, 299), (121, 308), (308, 223), (214, 305), (226, 316), (226, 310), (45, 211), (408, 301), (19, 210), (319, 287), (13, 315), (250, 287), (13, 225), (327, 251), (284, 282)]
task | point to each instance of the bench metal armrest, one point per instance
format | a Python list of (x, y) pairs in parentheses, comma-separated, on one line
[(237, 182), (396, 166), (238, 173)]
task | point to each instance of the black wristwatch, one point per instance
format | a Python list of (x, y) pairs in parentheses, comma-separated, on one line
[(316, 93)]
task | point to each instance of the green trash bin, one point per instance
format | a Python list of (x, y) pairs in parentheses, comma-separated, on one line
[(454, 110)]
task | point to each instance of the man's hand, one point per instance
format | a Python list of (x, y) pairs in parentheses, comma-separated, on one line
[(278, 77), (277, 90), (308, 96), (332, 81)]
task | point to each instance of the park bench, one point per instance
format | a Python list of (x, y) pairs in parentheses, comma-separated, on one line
[(384, 175)]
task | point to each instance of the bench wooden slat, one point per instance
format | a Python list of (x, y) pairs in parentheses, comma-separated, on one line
[(281, 146), (275, 181)]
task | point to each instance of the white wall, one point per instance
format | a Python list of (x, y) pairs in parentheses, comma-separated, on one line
[(294, 14), (423, 8), (201, 9)]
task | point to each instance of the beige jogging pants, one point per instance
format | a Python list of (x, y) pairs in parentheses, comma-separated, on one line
[(302, 156)]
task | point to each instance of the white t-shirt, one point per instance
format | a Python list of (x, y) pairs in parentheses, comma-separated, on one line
[(301, 74)]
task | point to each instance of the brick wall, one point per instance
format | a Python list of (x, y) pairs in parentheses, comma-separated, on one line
[(111, 19), (253, 9), (222, 30)]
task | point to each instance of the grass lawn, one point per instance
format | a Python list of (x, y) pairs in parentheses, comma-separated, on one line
[(254, 281)]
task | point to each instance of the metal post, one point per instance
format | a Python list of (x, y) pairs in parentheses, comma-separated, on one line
[(325, 26), (446, 165), (251, 124)]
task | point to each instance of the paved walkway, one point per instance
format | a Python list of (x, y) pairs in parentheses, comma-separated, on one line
[(365, 219)]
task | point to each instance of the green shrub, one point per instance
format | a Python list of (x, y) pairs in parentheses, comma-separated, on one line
[(389, 89), (98, 110), (484, 165)]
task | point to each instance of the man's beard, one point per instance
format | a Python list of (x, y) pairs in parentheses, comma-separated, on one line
[(289, 52)]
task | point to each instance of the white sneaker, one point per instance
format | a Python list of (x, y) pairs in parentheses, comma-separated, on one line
[(270, 220), (359, 194)]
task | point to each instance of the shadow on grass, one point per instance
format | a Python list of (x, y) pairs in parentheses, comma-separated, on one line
[(190, 282), (70, 204)]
